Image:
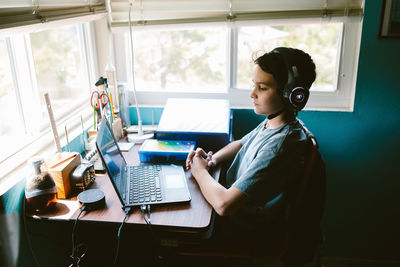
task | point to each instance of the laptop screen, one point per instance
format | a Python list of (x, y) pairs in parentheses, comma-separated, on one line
[(112, 157)]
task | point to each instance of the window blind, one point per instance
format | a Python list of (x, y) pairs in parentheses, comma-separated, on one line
[(155, 12), (14, 13)]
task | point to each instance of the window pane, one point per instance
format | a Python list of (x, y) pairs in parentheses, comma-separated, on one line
[(190, 60), (11, 126), (59, 68), (320, 40)]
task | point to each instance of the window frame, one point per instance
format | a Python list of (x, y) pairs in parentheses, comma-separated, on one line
[(341, 99), (39, 137)]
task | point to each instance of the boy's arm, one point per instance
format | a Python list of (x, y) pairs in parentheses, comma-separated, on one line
[(224, 201), (228, 152)]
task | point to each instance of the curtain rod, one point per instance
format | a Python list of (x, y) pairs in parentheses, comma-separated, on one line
[(249, 16)]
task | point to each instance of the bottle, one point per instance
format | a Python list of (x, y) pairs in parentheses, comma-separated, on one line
[(40, 189), (112, 84)]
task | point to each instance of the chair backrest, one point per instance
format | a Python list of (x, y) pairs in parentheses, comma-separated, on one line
[(306, 207)]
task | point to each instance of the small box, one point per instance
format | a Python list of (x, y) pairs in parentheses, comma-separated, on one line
[(60, 166), (165, 151)]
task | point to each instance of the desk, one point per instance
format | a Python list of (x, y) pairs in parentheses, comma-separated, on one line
[(193, 218)]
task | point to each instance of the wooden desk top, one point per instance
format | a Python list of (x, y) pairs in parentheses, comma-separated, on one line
[(195, 216)]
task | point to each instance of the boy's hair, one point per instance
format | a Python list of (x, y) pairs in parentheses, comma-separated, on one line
[(274, 63)]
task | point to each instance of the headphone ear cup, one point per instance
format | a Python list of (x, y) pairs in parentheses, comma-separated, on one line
[(298, 97)]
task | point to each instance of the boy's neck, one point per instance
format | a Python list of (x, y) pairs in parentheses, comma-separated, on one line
[(282, 119)]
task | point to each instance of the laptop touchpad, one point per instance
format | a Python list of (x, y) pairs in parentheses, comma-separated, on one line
[(174, 181)]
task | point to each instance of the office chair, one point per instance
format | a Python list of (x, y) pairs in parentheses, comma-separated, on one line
[(302, 233)]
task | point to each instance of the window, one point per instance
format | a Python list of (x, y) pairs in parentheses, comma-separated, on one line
[(182, 60), (214, 60), (57, 60), (12, 124), (320, 40), (60, 68)]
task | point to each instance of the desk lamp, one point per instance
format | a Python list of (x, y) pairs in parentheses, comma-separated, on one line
[(140, 136)]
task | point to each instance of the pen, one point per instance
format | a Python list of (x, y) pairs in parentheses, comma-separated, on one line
[(112, 106), (94, 117), (105, 88)]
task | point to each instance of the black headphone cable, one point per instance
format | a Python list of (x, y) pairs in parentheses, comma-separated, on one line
[(74, 254), (127, 210), (271, 116), (143, 208)]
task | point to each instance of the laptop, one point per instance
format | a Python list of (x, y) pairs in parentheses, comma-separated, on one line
[(144, 184)]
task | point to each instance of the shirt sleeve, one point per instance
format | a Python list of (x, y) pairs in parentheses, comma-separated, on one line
[(268, 173), (246, 138), (261, 176)]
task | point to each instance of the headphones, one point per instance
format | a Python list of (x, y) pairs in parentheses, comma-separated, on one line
[(296, 95)]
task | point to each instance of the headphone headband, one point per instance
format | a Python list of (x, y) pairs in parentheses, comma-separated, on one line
[(296, 95)]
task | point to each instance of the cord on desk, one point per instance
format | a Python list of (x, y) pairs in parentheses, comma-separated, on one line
[(75, 256), (127, 210), (143, 208)]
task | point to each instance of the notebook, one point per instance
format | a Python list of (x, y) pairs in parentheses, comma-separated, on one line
[(144, 184)]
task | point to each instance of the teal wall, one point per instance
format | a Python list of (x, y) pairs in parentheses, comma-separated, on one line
[(361, 150)]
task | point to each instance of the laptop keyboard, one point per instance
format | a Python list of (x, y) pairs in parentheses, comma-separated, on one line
[(145, 184)]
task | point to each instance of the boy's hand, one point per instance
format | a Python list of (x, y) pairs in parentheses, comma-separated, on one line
[(189, 159), (211, 162), (201, 153)]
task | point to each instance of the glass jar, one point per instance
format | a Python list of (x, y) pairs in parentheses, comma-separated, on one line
[(40, 189)]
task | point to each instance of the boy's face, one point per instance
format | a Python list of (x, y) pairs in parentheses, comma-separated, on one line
[(266, 97)]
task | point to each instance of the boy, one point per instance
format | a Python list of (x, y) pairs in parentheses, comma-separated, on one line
[(266, 161)]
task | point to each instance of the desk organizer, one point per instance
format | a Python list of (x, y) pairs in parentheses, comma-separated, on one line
[(157, 151)]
